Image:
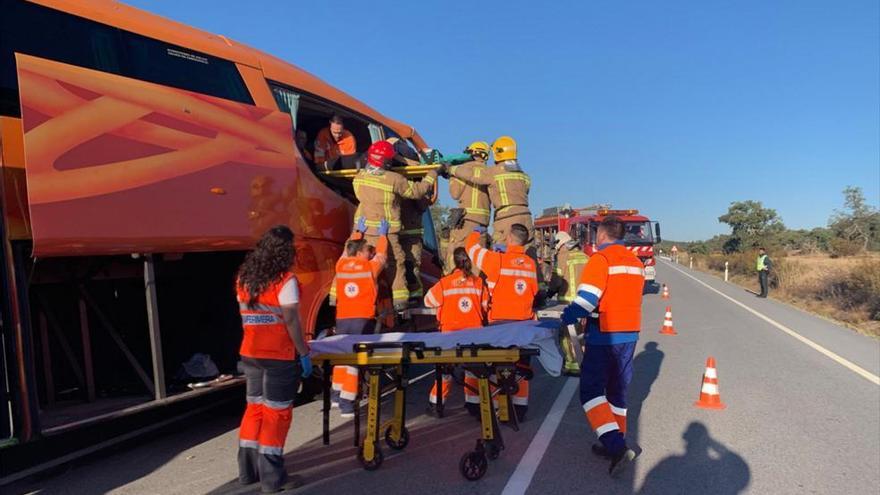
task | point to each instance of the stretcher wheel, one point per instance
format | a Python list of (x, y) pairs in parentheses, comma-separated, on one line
[(400, 444), (473, 465), (373, 464)]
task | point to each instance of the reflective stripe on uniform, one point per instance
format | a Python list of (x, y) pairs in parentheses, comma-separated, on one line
[(626, 270), (248, 444), (431, 301), (260, 319), (620, 411), (265, 449), (412, 232), (591, 289), (590, 404), (587, 305), (256, 308), (254, 399), (518, 273), (481, 257), (351, 275), (274, 404), (466, 290), (603, 429)]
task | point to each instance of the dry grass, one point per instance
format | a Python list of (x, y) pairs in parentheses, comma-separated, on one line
[(844, 289)]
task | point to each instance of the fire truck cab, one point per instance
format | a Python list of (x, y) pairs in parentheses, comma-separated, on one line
[(640, 233)]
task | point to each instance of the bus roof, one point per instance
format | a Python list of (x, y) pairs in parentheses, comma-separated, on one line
[(120, 15)]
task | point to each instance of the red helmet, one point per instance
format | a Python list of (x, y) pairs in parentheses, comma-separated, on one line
[(379, 153)]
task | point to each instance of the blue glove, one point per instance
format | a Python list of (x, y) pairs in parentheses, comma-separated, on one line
[(568, 316), (499, 248), (480, 229), (383, 227), (362, 224), (306, 363)]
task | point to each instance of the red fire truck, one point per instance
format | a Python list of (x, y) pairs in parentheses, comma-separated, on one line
[(640, 233)]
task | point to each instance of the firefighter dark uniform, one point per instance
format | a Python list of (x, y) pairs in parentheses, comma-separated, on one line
[(461, 300), (513, 283), (610, 297), (379, 193), (411, 241), (473, 199), (508, 188), (272, 376)]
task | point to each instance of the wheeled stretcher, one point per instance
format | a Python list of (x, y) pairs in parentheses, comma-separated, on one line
[(489, 354)]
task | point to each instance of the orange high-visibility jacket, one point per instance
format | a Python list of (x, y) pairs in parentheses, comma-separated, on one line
[(356, 283), (265, 332), (615, 277), (461, 301), (512, 278), (328, 149)]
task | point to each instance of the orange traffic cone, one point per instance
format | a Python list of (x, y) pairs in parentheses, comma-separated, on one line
[(709, 396), (668, 328), (665, 292)]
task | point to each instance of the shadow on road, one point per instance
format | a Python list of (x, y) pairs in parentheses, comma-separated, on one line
[(707, 466)]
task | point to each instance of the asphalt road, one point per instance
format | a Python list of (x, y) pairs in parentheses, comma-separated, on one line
[(802, 416)]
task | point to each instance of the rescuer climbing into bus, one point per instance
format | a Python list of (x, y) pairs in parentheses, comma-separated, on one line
[(357, 288), (380, 192)]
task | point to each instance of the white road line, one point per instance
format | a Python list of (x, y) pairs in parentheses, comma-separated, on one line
[(522, 476), (836, 357)]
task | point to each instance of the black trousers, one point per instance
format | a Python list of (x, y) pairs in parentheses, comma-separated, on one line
[(765, 285)]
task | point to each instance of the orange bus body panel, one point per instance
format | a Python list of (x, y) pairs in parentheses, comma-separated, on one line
[(116, 165), (154, 26)]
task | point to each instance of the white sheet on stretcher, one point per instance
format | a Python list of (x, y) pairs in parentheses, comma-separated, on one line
[(541, 335)]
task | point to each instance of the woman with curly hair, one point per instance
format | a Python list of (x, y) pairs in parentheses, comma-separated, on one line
[(274, 356)]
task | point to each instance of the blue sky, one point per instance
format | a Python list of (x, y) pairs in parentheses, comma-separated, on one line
[(676, 108)]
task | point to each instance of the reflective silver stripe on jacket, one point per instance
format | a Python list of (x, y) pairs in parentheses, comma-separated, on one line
[(625, 270), (518, 273), (353, 275)]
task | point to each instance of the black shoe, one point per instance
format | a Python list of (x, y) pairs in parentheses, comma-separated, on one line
[(473, 409), (601, 451), (431, 410), (293, 482), (620, 462), (520, 413)]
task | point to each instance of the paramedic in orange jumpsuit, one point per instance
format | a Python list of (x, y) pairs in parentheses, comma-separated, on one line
[(274, 356), (512, 278), (609, 296), (357, 273), (461, 300)]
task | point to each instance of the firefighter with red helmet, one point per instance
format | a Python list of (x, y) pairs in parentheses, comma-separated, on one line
[(380, 192)]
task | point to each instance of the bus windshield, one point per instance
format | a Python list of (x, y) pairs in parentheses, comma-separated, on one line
[(637, 233)]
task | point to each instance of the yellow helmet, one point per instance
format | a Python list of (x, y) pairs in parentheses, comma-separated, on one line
[(478, 149), (504, 149)]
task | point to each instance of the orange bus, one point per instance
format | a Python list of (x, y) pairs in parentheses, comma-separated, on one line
[(140, 159)]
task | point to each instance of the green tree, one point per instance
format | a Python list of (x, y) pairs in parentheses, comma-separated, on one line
[(751, 224), (439, 213), (858, 222)]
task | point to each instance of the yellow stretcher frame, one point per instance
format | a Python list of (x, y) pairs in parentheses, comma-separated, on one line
[(394, 359), (406, 171)]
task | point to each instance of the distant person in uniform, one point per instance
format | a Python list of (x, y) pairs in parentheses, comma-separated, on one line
[(763, 266), (333, 142)]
